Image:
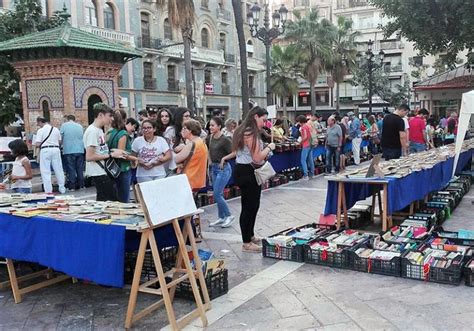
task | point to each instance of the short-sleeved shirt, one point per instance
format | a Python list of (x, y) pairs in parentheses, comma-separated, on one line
[(95, 137), (54, 138), (334, 135), (73, 135), (114, 136), (306, 132), (218, 147), (354, 129), (148, 151), (417, 130), (392, 126)]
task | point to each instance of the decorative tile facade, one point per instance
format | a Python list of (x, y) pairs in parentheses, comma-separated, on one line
[(82, 85), (49, 88)]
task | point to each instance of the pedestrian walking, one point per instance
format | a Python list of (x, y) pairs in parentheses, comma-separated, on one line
[(306, 159), (72, 135), (355, 135), (394, 137), (48, 141), (333, 145)]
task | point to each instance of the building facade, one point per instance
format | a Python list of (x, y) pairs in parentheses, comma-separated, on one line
[(157, 80)]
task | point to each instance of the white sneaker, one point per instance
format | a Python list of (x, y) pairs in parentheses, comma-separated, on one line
[(228, 221), (218, 222)]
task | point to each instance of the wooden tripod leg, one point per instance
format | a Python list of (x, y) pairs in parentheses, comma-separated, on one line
[(178, 264), (190, 272), (372, 211), (132, 302), (197, 260), (162, 280), (13, 281)]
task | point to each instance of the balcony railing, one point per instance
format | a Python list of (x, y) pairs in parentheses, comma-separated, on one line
[(117, 36), (252, 91), (198, 54), (224, 15), (173, 85), (389, 45), (397, 68), (205, 4), (229, 57), (225, 89), (255, 64), (149, 83), (120, 81), (152, 43)]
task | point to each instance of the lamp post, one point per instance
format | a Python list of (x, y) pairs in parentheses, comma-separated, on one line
[(371, 63), (267, 34)]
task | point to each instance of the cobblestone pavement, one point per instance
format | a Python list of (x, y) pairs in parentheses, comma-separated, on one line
[(266, 294)]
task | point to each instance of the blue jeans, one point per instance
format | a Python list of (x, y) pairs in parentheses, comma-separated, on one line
[(123, 186), (220, 178), (307, 158), (74, 170), (332, 152), (417, 147), (22, 189)]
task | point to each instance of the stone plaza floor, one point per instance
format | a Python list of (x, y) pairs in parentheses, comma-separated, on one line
[(266, 294)]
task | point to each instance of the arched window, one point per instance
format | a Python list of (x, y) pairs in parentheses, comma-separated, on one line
[(90, 14), (205, 38), (168, 31), (45, 109), (109, 20), (249, 48)]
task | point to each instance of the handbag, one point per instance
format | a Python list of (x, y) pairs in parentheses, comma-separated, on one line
[(111, 167), (264, 173)]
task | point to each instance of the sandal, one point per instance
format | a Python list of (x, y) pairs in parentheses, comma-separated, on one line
[(256, 240), (251, 248)]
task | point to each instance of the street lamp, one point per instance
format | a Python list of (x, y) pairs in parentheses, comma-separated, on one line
[(267, 34), (372, 62)]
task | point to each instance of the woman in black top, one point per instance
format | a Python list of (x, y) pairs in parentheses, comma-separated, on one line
[(219, 146)]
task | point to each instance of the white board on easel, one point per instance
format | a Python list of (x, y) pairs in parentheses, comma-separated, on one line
[(167, 199)]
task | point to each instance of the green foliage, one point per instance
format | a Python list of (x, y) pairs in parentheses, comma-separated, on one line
[(435, 26), (25, 19)]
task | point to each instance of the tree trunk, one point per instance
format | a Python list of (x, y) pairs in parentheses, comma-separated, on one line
[(188, 71), (244, 75), (337, 97), (312, 91), (285, 112), (286, 124)]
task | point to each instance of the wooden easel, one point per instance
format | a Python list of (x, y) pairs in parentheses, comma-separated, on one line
[(15, 281), (182, 271)]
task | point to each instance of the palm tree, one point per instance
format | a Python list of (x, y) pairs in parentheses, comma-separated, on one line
[(239, 25), (283, 79), (181, 17), (344, 57), (312, 38)]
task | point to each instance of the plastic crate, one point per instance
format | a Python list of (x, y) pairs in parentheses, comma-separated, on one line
[(167, 257), (375, 266), (323, 257), (454, 237), (469, 274), (294, 253), (217, 285), (451, 275)]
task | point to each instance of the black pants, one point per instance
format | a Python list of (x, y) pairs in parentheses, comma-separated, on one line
[(391, 153), (106, 189), (244, 177)]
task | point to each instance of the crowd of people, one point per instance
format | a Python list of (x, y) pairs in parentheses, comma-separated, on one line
[(166, 142)]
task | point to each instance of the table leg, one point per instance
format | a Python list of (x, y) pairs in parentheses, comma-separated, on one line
[(13, 281), (384, 206), (344, 207), (339, 204), (372, 211)]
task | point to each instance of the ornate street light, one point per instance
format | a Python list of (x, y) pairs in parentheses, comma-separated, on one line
[(371, 63), (267, 34)]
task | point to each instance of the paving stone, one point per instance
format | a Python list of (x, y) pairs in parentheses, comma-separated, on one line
[(284, 301), (349, 326)]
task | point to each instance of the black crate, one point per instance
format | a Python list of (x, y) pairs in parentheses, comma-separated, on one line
[(469, 275), (374, 266), (451, 275), (294, 253), (167, 257), (453, 237), (329, 259), (217, 285)]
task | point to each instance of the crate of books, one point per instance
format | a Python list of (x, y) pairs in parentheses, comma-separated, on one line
[(435, 264), (331, 250), (167, 257), (288, 244), (379, 257), (469, 273), (217, 285), (442, 209), (411, 230), (461, 237)]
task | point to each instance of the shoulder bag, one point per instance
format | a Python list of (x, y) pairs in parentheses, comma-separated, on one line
[(264, 173), (110, 165)]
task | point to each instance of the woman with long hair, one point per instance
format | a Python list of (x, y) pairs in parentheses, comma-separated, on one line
[(167, 130), (219, 146), (193, 156), (230, 126), (119, 137), (250, 154), (373, 131), (152, 151), (181, 114)]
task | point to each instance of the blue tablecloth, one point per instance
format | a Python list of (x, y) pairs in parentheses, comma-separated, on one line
[(401, 191), (84, 250)]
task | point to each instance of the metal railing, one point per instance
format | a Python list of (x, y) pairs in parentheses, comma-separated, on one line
[(252, 91), (173, 85), (148, 42), (117, 36), (149, 83), (229, 57), (224, 14), (225, 89), (120, 81)]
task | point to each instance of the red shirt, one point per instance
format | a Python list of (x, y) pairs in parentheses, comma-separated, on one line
[(417, 130), (307, 133)]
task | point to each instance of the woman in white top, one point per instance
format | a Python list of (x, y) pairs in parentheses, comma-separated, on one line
[(152, 152), (21, 171)]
